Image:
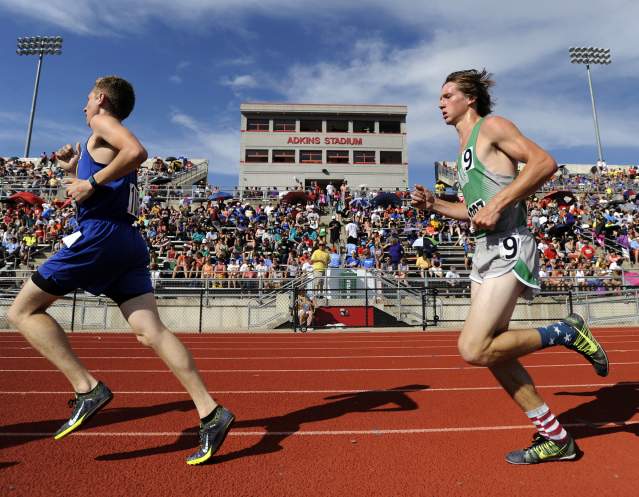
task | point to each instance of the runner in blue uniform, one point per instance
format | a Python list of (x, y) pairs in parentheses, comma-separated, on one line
[(107, 255)]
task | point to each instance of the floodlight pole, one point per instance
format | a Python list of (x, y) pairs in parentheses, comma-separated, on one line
[(588, 56), (27, 145), (594, 115), (40, 46)]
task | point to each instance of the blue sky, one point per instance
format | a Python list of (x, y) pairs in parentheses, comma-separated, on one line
[(193, 62)]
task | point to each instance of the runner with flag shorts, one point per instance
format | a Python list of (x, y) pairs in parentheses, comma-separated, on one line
[(108, 255), (505, 263)]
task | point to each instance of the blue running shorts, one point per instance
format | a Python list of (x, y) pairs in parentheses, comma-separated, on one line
[(106, 257)]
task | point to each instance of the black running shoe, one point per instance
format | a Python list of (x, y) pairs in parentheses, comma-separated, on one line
[(544, 450), (587, 345), (85, 405), (212, 435)]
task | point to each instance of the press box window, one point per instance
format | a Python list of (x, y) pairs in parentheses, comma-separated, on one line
[(257, 124), (337, 126), (282, 125), (363, 127), (389, 126), (363, 157), (337, 156), (390, 157), (310, 126), (310, 156), (283, 155), (253, 155)]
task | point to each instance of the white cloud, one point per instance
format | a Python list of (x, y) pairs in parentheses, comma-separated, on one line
[(523, 43), (175, 79), (240, 82), (525, 49), (221, 146)]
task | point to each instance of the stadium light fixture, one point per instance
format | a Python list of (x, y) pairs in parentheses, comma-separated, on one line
[(588, 56), (40, 46)]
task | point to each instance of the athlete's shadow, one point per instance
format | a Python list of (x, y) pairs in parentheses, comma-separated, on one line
[(38, 430), (607, 413), (279, 428)]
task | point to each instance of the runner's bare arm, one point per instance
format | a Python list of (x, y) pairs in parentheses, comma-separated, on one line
[(424, 199), (131, 154), (540, 166)]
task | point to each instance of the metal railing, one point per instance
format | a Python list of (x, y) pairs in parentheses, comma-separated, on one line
[(342, 299)]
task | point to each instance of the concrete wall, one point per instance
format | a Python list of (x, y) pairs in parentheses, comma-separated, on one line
[(236, 314)]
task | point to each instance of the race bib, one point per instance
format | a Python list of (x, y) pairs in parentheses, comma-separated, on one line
[(509, 247), (71, 239)]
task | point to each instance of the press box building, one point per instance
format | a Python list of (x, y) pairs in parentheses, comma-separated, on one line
[(283, 145)]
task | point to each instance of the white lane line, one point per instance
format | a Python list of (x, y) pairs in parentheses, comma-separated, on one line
[(290, 337), (303, 433), (244, 349), (304, 392), (260, 342), (350, 357), (107, 347), (333, 370), (280, 340)]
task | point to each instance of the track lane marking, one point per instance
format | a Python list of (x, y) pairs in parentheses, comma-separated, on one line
[(453, 346), (333, 370), (351, 357), (286, 392), (302, 433)]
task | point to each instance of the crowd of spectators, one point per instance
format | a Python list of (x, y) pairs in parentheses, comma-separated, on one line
[(41, 176), (587, 232), (223, 240), (30, 230)]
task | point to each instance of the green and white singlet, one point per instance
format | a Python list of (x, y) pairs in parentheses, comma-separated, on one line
[(510, 246)]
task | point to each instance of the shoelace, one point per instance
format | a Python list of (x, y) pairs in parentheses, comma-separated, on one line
[(72, 402), (546, 449)]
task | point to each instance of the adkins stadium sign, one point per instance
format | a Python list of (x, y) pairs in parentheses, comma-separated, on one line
[(328, 140)]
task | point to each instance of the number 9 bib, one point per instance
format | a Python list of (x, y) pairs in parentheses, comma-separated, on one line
[(509, 247)]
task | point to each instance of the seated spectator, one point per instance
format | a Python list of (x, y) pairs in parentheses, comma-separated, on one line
[(435, 270), (351, 261), (587, 251), (402, 271), (183, 264), (335, 259), (276, 275), (233, 272), (367, 260), (423, 264), (207, 269), (452, 276), (219, 273)]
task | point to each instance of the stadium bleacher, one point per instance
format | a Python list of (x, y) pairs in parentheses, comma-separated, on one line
[(585, 224)]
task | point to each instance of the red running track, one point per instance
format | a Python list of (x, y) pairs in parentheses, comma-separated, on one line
[(354, 414)]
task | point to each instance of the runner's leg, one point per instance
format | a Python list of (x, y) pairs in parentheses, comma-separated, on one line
[(142, 314), (28, 314), (509, 372), (491, 303)]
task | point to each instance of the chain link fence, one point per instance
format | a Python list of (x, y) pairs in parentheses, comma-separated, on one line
[(343, 298)]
